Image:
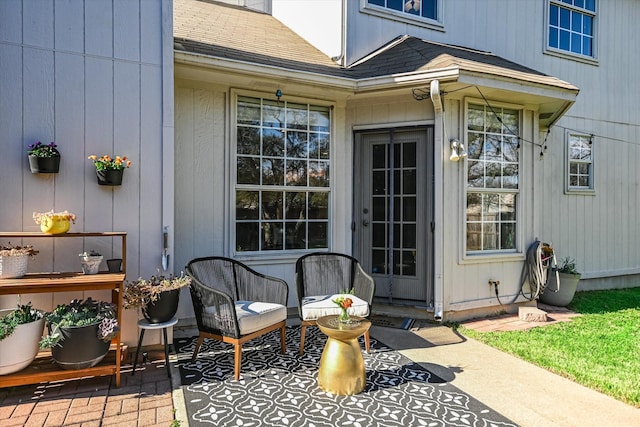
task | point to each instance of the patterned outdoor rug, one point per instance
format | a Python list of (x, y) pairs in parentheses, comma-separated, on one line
[(282, 389)]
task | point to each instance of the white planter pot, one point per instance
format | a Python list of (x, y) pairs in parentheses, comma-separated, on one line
[(19, 349), (91, 264)]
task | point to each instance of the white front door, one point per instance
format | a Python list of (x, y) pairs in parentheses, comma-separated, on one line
[(393, 211)]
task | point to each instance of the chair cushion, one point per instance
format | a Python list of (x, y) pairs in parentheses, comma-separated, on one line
[(314, 307), (253, 316)]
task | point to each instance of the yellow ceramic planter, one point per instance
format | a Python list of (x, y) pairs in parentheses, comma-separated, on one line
[(55, 224)]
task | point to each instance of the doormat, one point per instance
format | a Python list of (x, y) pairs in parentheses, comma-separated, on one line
[(405, 323), (278, 389)]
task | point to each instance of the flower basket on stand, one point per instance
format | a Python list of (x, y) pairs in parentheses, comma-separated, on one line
[(14, 260), (54, 222), (80, 332), (20, 332), (157, 297)]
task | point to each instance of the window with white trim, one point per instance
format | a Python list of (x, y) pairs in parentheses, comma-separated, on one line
[(411, 8), (571, 25), (282, 175), (579, 162), (492, 172)]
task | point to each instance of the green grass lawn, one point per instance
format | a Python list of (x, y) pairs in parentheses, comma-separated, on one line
[(600, 349)]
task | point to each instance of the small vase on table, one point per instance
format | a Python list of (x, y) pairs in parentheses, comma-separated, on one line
[(344, 316)]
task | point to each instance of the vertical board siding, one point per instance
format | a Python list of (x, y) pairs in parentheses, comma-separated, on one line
[(126, 33), (98, 28), (69, 28), (11, 19), (184, 188), (37, 23), (62, 80), (11, 141)]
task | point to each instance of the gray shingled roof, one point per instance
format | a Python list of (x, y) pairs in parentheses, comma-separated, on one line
[(236, 33)]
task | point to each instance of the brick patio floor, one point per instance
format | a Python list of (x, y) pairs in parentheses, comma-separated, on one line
[(144, 399), (512, 322)]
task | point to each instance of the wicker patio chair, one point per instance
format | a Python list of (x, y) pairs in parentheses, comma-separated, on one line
[(320, 277), (234, 304)]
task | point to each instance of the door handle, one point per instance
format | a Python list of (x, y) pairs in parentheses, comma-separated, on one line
[(365, 223)]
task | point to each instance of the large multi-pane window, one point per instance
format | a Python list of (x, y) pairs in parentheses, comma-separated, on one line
[(571, 26), (423, 8), (492, 178), (282, 175), (580, 162)]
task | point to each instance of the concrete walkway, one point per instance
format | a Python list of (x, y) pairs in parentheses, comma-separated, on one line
[(527, 395)]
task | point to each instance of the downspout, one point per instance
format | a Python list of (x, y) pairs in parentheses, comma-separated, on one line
[(438, 214), (341, 59)]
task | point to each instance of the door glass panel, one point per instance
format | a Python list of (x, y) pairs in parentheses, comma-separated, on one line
[(404, 206), (409, 208), (379, 208), (379, 235), (409, 263), (379, 261), (379, 182), (409, 155), (409, 236), (379, 156)]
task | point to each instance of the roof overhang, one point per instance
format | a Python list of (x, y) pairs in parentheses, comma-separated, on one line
[(549, 96)]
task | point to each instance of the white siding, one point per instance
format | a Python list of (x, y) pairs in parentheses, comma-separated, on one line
[(89, 76), (600, 231), (203, 179)]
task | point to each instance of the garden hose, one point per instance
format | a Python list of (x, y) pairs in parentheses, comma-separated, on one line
[(540, 257)]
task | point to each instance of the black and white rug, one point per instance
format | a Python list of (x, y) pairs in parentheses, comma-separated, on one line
[(282, 389)]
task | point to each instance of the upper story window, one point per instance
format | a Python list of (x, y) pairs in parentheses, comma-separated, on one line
[(579, 162), (282, 175), (492, 179), (413, 11), (571, 26)]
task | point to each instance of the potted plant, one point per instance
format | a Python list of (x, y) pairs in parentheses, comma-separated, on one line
[(44, 158), (80, 332), (560, 292), (90, 262), (109, 170), (14, 259), (20, 331), (157, 297), (54, 222)]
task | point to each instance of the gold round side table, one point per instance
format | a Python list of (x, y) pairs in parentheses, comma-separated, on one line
[(342, 365)]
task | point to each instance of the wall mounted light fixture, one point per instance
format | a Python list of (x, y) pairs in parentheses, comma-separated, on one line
[(457, 150)]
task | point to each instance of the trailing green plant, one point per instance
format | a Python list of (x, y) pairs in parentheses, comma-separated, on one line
[(41, 150), (24, 314), (138, 293), (568, 266), (82, 313)]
